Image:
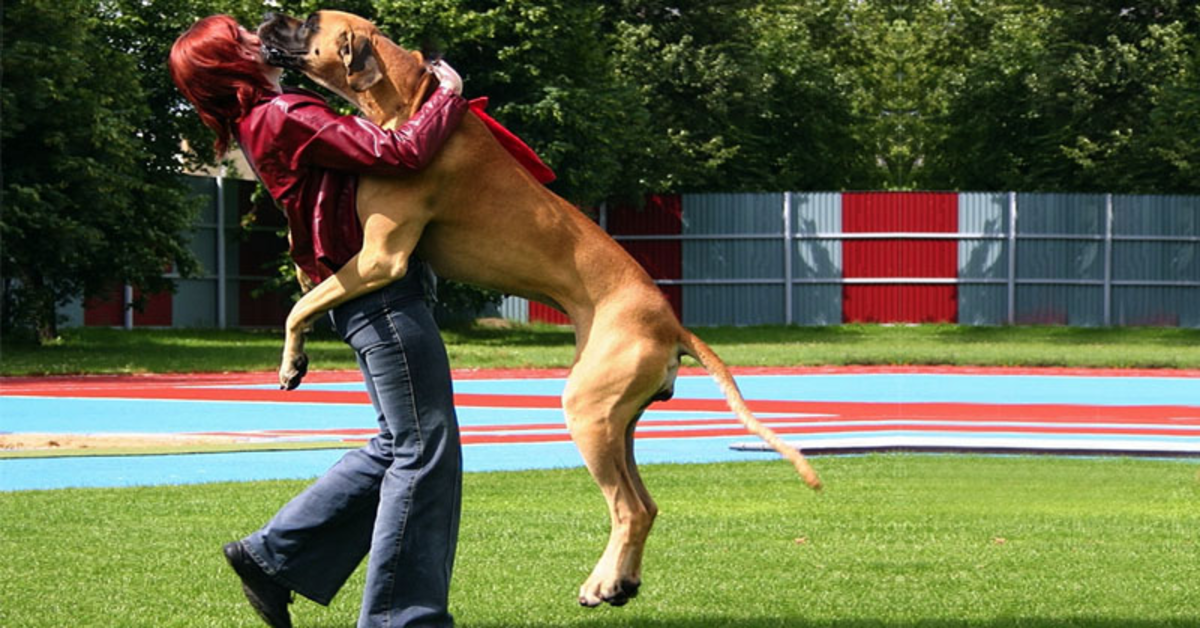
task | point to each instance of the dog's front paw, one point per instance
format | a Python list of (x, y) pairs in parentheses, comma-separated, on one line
[(293, 371)]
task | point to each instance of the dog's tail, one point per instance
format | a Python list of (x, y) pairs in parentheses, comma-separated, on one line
[(696, 348)]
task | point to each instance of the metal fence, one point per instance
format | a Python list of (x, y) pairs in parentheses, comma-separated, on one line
[(812, 258), (235, 263), (971, 258)]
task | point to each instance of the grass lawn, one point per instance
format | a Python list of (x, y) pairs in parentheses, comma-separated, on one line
[(895, 540), (163, 351)]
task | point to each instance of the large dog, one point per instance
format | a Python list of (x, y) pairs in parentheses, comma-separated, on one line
[(476, 216)]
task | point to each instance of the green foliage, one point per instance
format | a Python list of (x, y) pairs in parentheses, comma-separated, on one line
[(91, 200), (543, 64), (621, 99), (1076, 96)]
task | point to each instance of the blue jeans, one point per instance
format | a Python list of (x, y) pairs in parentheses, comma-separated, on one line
[(398, 497)]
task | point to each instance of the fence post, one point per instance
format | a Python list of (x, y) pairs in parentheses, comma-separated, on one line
[(1012, 258), (221, 271), (787, 258), (1108, 253), (127, 312)]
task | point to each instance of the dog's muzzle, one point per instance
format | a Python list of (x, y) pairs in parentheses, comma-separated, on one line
[(284, 41)]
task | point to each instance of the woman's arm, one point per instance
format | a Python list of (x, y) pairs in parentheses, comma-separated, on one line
[(324, 139)]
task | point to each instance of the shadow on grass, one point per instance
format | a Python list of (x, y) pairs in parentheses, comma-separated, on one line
[(800, 622)]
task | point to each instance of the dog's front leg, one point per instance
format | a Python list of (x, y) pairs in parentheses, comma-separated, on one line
[(295, 362), (387, 245)]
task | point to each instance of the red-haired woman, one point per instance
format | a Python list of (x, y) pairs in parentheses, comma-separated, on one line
[(398, 497)]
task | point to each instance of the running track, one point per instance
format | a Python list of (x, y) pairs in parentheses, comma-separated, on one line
[(512, 419)]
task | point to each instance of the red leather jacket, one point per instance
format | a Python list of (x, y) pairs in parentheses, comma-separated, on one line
[(309, 159)]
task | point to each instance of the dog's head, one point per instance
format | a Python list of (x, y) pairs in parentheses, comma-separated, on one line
[(341, 51)]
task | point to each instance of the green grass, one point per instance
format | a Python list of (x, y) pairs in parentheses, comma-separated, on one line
[(895, 540), (167, 351)]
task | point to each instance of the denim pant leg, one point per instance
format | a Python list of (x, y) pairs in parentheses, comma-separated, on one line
[(317, 539), (400, 495), (420, 497)]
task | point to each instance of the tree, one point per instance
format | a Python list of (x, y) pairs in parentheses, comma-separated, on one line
[(802, 139), (83, 208), (1077, 96), (738, 95), (544, 67)]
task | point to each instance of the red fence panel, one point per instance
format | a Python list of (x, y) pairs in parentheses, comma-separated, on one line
[(663, 259), (110, 311), (901, 212), (541, 313)]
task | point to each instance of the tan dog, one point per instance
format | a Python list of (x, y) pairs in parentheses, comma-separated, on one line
[(476, 216)]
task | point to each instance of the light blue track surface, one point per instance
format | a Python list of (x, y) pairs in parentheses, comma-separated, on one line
[(896, 388), (68, 415), (111, 471)]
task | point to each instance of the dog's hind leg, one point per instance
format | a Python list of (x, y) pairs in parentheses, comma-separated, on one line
[(605, 394), (634, 581)]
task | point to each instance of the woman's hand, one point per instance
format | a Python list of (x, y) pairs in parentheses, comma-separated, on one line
[(447, 76)]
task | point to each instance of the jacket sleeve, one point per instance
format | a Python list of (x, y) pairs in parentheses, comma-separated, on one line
[(324, 139)]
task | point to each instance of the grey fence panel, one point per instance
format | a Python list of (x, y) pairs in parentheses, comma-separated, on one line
[(733, 259), (746, 246), (204, 245), (983, 259), (982, 304), (515, 309), (816, 212), (813, 258), (1157, 238), (1058, 304), (1159, 306), (732, 213), (983, 222), (194, 303), (816, 259), (1055, 214), (983, 256), (711, 305), (1156, 261), (1060, 243), (1060, 259), (1164, 216), (983, 212), (1156, 241), (817, 304)]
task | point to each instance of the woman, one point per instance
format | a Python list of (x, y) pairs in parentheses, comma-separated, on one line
[(398, 497)]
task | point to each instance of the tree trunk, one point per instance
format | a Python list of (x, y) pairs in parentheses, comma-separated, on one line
[(44, 313), (47, 329)]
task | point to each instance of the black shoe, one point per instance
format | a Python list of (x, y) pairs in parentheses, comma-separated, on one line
[(267, 597)]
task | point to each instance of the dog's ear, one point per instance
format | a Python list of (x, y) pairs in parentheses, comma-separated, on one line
[(362, 70)]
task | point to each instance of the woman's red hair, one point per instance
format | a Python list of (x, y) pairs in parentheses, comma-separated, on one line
[(207, 66)]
